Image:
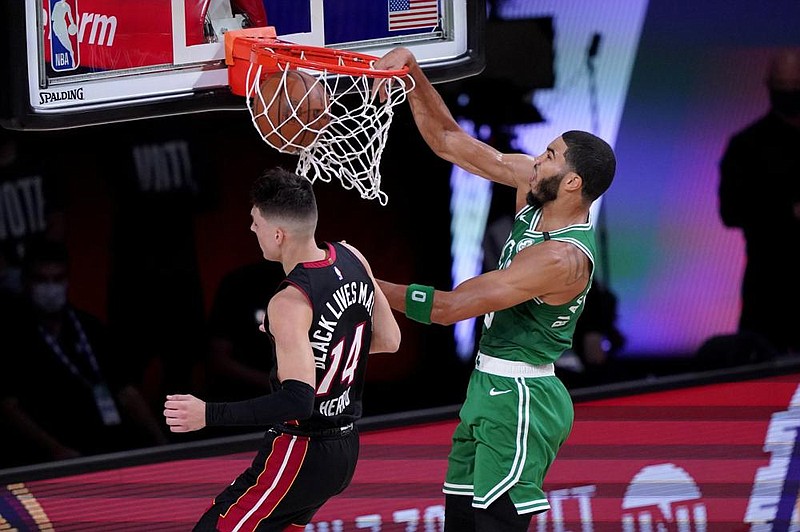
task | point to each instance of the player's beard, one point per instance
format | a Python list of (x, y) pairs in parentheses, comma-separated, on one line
[(547, 191)]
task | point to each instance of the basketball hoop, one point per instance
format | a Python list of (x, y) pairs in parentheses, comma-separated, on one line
[(349, 146)]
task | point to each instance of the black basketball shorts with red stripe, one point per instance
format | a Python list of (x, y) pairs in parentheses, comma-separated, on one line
[(291, 477)]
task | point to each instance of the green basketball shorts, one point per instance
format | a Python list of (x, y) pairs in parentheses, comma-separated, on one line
[(510, 429)]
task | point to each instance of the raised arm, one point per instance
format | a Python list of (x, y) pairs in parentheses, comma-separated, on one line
[(447, 139), (385, 330), (533, 273)]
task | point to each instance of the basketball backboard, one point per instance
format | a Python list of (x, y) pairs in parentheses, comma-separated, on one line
[(83, 62)]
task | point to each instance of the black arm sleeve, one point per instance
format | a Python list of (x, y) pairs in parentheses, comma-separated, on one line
[(294, 400)]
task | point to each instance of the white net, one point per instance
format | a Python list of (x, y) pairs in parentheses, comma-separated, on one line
[(347, 143)]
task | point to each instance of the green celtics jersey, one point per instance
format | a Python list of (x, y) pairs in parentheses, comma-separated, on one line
[(535, 332)]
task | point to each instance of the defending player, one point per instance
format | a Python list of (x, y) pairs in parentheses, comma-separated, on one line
[(325, 318), (517, 413)]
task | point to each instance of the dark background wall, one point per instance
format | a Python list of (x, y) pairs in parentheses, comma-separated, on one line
[(406, 241)]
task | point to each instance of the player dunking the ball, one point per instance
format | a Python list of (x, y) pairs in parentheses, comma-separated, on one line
[(325, 318), (517, 413)]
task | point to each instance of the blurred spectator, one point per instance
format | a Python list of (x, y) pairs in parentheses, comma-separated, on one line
[(240, 355), (159, 173), (63, 389), (31, 202), (732, 350), (759, 192)]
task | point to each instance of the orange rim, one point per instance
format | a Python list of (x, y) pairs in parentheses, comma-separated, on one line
[(288, 55)]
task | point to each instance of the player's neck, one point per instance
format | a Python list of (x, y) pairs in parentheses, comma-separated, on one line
[(555, 216), (307, 251)]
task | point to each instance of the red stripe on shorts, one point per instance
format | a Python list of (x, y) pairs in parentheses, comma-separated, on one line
[(261, 499)]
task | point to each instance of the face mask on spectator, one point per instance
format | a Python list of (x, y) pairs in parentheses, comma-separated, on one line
[(49, 297)]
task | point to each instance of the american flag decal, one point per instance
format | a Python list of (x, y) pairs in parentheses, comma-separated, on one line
[(411, 14)]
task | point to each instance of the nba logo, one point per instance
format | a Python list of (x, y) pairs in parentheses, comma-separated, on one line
[(64, 52)]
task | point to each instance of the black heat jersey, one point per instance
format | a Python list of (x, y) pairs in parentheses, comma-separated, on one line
[(342, 296)]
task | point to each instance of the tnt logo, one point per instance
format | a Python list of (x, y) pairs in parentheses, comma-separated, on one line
[(64, 51), (663, 497)]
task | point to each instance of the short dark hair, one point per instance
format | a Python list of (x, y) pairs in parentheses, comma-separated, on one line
[(278, 192), (592, 158)]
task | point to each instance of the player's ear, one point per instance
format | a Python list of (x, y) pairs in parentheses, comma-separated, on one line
[(572, 181)]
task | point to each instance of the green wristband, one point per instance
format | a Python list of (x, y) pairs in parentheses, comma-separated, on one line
[(419, 303)]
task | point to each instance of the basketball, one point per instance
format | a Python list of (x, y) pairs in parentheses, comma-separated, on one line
[(290, 115)]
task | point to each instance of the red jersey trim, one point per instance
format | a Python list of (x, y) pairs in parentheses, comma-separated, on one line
[(327, 261)]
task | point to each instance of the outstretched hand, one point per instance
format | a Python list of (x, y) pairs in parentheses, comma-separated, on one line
[(184, 413), (395, 59)]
